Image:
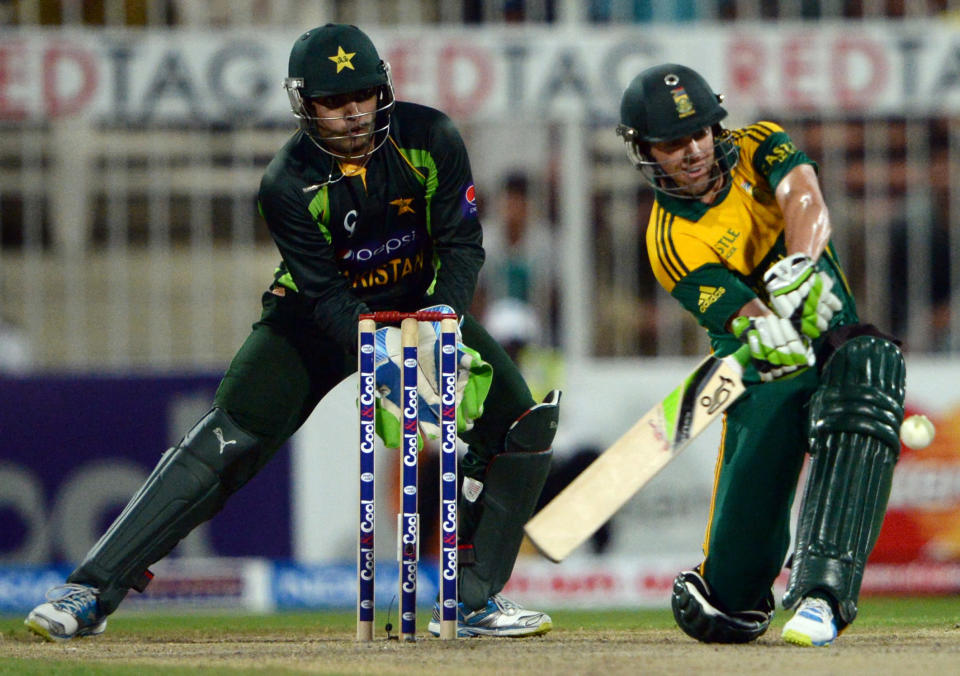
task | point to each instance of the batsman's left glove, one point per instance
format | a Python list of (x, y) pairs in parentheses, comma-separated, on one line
[(776, 348), (801, 294), (473, 382)]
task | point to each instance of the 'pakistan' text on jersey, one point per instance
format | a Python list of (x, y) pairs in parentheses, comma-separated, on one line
[(398, 234), (712, 257)]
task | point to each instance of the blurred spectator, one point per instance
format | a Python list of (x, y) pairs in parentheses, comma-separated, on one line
[(84, 12), (938, 264), (520, 255), (529, 10), (16, 356), (513, 11), (514, 325), (603, 11), (517, 296)]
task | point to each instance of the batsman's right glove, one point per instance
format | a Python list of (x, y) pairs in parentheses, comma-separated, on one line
[(776, 348), (801, 294)]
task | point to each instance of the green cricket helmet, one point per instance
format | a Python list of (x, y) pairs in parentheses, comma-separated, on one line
[(332, 61), (665, 103)]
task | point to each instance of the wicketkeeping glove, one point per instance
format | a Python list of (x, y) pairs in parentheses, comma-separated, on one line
[(801, 294), (473, 382), (776, 348)]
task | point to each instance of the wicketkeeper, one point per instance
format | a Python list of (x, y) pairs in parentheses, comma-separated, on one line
[(740, 236), (371, 204)]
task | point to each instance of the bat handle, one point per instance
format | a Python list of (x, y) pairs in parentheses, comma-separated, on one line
[(741, 356)]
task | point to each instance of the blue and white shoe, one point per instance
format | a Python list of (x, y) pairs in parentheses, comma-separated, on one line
[(500, 617), (71, 611), (811, 625)]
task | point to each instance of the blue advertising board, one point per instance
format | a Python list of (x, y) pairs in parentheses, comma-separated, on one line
[(76, 447)]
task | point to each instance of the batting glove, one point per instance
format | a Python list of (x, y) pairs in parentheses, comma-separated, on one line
[(801, 294), (776, 348)]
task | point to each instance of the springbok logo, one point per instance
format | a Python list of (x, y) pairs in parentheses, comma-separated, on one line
[(218, 433)]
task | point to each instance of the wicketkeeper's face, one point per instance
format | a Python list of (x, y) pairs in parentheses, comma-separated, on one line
[(687, 161), (345, 122)]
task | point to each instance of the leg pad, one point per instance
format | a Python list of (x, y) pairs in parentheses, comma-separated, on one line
[(491, 526), (187, 487), (510, 493), (855, 419)]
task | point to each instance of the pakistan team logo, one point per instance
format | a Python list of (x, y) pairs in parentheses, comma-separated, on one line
[(343, 59)]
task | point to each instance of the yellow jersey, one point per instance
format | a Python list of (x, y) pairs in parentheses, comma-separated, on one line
[(711, 257)]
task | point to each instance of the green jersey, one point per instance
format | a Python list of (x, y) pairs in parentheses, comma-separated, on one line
[(398, 233)]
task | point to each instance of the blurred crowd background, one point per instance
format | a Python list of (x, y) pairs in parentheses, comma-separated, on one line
[(131, 241)]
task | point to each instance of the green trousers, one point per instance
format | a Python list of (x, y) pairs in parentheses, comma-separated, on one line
[(758, 468), (286, 366)]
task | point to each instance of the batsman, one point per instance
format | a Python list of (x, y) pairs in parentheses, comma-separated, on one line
[(739, 235), (372, 206)]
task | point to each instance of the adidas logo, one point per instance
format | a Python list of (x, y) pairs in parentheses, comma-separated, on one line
[(708, 296)]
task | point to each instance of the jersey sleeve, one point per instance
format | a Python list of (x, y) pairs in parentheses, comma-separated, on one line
[(775, 153), (713, 295), (453, 222), (309, 257)]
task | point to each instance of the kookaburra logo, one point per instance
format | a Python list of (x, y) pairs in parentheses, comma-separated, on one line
[(218, 433), (712, 402)]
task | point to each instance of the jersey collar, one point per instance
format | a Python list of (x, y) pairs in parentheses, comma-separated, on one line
[(691, 210)]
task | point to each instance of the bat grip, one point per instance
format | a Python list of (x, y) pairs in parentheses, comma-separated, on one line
[(742, 355)]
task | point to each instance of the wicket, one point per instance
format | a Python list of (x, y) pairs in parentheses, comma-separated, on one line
[(408, 518)]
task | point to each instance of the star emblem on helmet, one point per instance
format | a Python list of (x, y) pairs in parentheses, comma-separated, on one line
[(403, 205), (342, 59)]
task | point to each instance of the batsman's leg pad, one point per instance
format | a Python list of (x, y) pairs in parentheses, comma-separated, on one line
[(492, 525), (188, 486), (697, 614), (855, 418)]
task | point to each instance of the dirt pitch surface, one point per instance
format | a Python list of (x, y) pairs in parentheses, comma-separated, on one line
[(570, 651)]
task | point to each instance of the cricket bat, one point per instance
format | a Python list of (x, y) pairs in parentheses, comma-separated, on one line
[(588, 501)]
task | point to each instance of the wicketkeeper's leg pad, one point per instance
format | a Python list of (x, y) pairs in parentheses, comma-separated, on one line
[(187, 487), (855, 418), (492, 524), (696, 612), (534, 431)]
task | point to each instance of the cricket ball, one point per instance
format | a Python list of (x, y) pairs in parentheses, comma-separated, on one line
[(917, 432)]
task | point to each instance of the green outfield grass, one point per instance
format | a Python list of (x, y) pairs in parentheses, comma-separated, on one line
[(130, 626)]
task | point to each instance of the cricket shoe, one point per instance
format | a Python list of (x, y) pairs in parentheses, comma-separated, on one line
[(500, 617), (71, 610), (811, 625)]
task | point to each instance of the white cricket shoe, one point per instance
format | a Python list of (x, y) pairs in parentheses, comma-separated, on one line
[(71, 610), (500, 617), (811, 625)]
